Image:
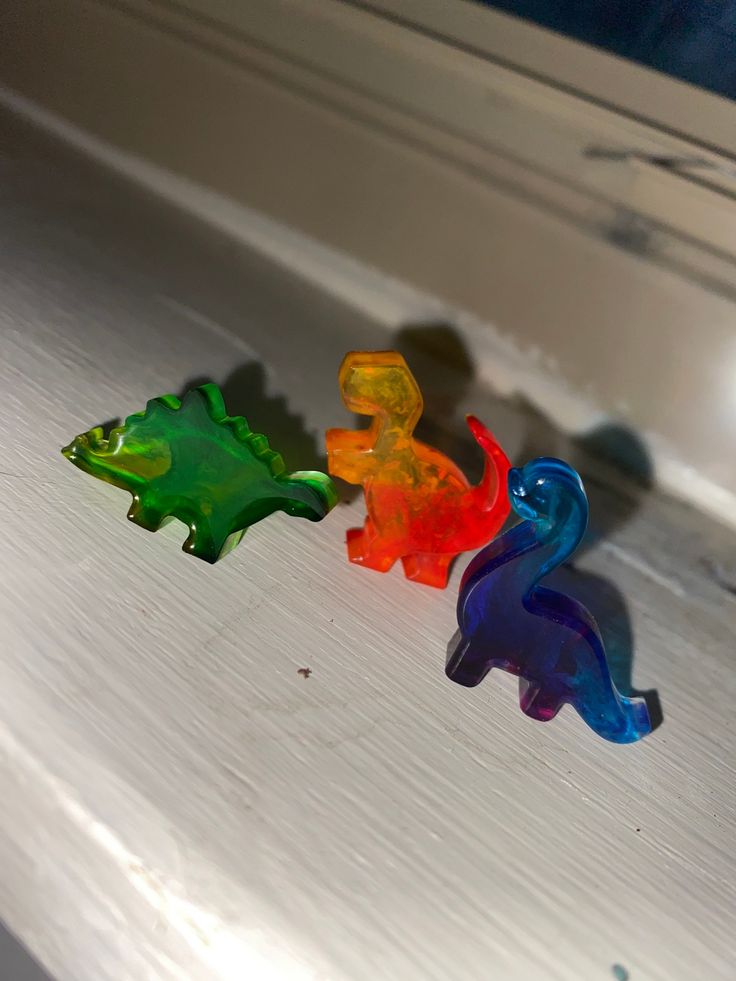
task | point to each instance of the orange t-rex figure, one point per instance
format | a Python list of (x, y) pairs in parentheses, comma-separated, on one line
[(421, 508)]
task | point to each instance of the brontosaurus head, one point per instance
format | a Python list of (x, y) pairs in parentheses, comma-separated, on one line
[(546, 491), (379, 383)]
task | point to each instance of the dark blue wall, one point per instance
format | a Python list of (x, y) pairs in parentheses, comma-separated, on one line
[(694, 40)]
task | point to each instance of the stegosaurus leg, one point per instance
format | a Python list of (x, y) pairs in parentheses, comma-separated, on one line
[(145, 514), (206, 545), (424, 567), (362, 548)]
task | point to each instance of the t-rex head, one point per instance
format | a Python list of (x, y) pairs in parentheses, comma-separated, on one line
[(379, 383)]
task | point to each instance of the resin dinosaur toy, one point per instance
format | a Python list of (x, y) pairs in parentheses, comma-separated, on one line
[(189, 460), (421, 508), (508, 621)]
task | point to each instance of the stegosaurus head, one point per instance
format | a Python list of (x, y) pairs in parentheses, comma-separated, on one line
[(189, 460)]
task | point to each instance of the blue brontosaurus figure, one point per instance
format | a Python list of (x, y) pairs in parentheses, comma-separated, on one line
[(508, 621)]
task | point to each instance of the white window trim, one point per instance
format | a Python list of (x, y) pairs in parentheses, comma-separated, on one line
[(651, 96), (599, 300), (603, 152)]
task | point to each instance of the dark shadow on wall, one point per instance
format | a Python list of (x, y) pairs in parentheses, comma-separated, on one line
[(246, 393), (611, 459), (444, 370)]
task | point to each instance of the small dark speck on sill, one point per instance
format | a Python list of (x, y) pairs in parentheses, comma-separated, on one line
[(638, 829), (304, 672)]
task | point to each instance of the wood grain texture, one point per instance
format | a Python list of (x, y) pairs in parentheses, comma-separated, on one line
[(178, 801)]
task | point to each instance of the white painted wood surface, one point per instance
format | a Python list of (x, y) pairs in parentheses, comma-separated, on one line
[(177, 801)]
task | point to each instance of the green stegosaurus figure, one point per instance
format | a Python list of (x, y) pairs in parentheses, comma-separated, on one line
[(189, 460)]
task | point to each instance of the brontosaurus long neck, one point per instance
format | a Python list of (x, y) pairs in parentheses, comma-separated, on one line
[(558, 535)]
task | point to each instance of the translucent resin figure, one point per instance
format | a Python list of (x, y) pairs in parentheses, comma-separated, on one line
[(508, 621), (189, 460), (421, 508)]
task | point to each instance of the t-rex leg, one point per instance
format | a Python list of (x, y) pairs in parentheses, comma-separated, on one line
[(365, 548), (427, 568)]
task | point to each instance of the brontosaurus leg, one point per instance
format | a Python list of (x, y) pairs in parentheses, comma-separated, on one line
[(539, 702), (200, 542), (365, 548), (467, 662), (424, 567)]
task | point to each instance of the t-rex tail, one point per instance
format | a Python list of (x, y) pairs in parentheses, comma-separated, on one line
[(492, 489)]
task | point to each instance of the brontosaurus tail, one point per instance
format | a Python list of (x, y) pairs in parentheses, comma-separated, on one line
[(639, 722), (492, 490)]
